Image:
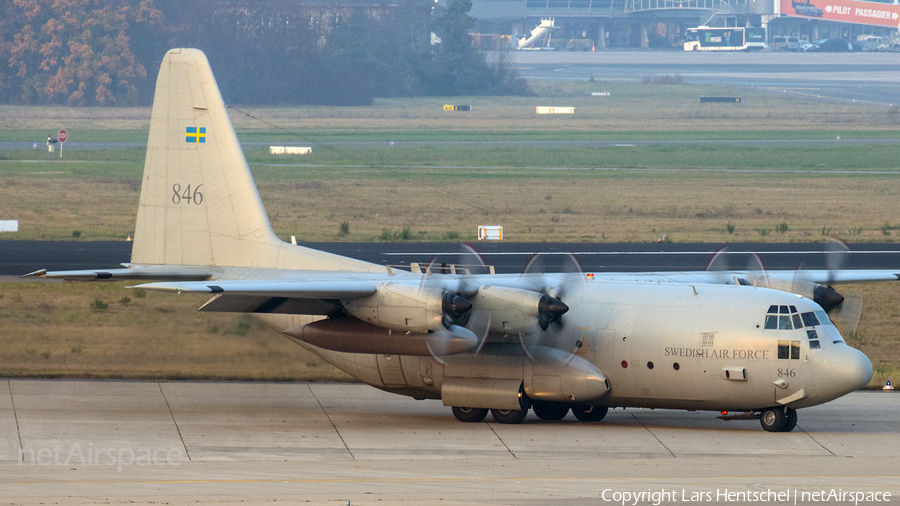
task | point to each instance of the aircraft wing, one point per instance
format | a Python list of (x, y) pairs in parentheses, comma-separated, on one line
[(838, 277), (823, 277)]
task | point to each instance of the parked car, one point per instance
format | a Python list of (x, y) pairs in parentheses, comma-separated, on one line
[(805, 45), (831, 46), (784, 43), (873, 40), (861, 46)]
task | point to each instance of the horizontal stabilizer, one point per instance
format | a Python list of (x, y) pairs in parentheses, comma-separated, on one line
[(140, 273)]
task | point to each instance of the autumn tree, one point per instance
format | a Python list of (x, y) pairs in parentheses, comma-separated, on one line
[(334, 52), (75, 52)]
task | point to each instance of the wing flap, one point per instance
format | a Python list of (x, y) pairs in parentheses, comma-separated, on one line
[(271, 288), (270, 305)]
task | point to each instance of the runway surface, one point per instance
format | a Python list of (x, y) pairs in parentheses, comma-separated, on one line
[(301, 443), (844, 77), (21, 257)]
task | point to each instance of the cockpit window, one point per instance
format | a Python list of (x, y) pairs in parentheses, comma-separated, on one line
[(813, 339), (784, 318), (784, 323), (810, 320), (823, 318)]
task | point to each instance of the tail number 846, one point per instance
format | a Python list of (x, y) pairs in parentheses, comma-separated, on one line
[(186, 195)]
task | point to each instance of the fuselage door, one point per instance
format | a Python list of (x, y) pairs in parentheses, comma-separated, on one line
[(391, 370)]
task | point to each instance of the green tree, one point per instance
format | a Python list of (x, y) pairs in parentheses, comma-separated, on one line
[(460, 68), (76, 52)]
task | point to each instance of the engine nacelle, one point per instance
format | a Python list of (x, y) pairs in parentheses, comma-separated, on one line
[(825, 296), (407, 308), (514, 310)]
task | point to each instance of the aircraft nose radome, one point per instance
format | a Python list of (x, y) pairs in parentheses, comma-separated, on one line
[(841, 370)]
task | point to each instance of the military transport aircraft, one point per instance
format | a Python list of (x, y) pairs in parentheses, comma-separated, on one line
[(753, 344)]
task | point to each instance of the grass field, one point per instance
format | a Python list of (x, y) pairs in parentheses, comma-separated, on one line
[(688, 190), (102, 330), (705, 202)]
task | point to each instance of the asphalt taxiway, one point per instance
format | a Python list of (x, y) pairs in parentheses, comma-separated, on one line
[(119, 442), (21, 257)]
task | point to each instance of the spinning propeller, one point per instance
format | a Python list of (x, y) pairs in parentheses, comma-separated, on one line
[(553, 276), (847, 310), (459, 319)]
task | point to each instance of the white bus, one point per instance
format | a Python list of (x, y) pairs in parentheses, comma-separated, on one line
[(704, 38), (756, 38)]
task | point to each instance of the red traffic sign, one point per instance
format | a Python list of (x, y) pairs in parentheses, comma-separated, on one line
[(62, 135)]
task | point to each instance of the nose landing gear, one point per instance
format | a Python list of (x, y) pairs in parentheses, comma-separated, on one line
[(778, 419)]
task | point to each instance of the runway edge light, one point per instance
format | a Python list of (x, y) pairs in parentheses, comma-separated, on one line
[(888, 386)]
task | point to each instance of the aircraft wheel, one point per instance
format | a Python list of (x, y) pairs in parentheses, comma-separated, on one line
[(550, 410), (590, 413), (773, 419), (791, 421), (469, 414), (512, 416)]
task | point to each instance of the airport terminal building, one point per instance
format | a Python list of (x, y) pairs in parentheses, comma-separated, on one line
[(597, 24)]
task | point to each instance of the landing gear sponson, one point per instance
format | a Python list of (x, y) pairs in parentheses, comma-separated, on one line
[(777, 419)]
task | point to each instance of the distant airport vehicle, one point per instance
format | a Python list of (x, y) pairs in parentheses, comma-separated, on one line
[(783, 43), (831, 46), (704, 38), (756, 38), (748, 344), (540, 32)]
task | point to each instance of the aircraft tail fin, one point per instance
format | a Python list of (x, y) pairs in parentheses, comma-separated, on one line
[(199, 204)]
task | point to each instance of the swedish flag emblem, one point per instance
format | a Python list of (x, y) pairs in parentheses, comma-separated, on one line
[(195, 135)]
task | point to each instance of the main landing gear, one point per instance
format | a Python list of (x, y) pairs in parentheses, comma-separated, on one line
[(469, 415), (543, 410), (778, 419)]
